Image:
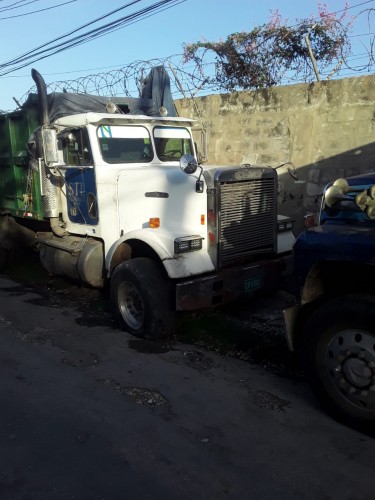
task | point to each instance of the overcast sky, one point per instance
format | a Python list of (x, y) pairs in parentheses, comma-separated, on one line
[(158, 36)]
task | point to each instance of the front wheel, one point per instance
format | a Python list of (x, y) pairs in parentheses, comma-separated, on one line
[(142, 300), (340, 355)]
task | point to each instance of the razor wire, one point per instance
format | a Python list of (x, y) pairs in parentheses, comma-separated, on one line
[(128, 80)]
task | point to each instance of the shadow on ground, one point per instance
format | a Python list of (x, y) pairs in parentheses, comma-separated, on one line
[(251, 330)]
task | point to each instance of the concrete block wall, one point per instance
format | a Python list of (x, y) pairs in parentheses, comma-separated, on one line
[(325, 129)]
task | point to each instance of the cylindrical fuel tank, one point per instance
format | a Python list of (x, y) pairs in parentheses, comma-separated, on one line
[(80, 259)]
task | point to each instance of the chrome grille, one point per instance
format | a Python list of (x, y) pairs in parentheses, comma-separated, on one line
[(247, 218)]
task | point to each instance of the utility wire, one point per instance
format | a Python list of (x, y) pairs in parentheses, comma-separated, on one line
[(107, 82), (41, 53), (348, 8), (354, 6), (132, 19), (15, 6), (36, 11), (14, 61)]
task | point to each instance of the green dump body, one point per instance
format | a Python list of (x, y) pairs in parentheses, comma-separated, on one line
[(20, 193)]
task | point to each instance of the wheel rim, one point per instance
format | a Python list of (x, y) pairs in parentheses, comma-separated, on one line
[(131, 305), (349, 362)]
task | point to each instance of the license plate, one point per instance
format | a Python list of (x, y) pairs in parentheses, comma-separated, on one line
[(252, 284)]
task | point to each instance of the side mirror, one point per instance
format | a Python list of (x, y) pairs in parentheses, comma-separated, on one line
[(188, 164)]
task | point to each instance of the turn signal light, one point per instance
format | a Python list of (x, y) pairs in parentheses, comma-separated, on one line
[(154, 222)]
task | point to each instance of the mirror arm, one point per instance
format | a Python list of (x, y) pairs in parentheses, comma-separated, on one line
[(199, 184)]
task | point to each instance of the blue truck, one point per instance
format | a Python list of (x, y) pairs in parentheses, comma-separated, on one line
[(333, 322)]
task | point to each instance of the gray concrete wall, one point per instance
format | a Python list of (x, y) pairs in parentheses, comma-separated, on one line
[(325, 129)]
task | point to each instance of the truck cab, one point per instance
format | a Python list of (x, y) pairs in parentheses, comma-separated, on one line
[(125, 169)]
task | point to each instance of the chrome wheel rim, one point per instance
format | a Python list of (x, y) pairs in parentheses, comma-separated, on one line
[(349, 366), (131, 305)]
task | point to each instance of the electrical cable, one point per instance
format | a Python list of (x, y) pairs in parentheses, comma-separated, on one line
[(13, 61), (117, 81), (15, 6), (37, 55), (36, 11)]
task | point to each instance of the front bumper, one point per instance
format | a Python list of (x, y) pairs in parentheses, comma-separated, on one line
[(232, 283)]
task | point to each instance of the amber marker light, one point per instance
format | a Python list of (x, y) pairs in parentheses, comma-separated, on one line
[(203, 219), (154, 222)]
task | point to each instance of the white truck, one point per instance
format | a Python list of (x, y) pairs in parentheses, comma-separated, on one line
[(110, 191)]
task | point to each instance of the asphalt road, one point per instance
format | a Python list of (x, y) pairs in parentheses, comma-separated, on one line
[(90, 413)]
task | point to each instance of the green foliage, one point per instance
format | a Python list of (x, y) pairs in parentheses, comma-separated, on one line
[(261, 57)]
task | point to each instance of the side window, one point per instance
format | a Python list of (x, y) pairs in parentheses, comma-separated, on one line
[(76, 147)]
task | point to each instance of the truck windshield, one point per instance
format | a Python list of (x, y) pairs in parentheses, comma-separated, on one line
[(125, 144), (172, 142)]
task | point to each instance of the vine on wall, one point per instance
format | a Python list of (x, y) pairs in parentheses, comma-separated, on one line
[(261, 57)]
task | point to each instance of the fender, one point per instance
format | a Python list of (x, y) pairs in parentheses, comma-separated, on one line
[(176, 266)]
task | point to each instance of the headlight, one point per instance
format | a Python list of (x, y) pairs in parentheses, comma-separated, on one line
[(285, 225), (187, 244)]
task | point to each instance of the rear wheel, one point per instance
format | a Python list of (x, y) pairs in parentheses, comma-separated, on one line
[(141, 295), (340, 341)]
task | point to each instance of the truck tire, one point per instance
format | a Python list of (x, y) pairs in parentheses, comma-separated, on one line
[(142, 300), (340, 356)]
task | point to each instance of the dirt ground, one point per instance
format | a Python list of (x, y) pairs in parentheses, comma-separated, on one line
[(251, 330)]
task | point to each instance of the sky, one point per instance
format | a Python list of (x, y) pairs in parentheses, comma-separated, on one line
[(158, 36)]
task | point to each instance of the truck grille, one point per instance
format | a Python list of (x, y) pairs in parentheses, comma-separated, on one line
[(247, 223)]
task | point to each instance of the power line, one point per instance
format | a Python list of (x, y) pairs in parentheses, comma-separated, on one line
[(349, 8), (41, 52), (36, 11), (15, 6), (361, 34), (13, 61), (108, 81)]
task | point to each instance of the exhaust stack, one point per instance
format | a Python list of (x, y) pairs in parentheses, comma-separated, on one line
[(50, 182), (42, 97)]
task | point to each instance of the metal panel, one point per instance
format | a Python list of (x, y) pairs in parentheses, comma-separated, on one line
[(17, 181), (247, 224)]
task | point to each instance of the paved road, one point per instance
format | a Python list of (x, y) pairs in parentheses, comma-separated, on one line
[(86, 415)]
